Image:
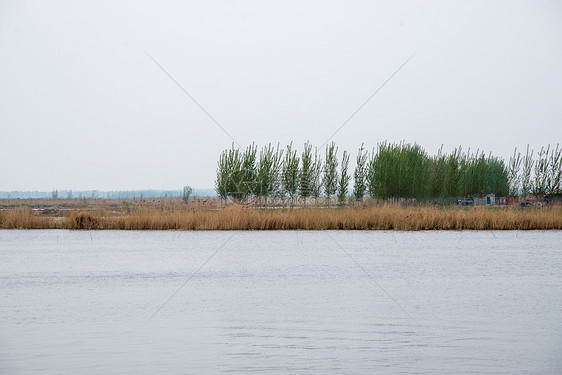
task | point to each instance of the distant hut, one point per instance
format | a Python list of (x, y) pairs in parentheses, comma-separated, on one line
[(512, 200), (489, 199)]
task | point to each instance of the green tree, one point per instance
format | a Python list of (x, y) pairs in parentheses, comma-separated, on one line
[(528, 164), (513, 178), (453, 174), (186, 194), (343, 182), (229, 174), (315, 176), (306, 172), (372, 177), (437, 175), (397, 170), (555, 173), (542, 169), (360, 175), (290, 172), (268, 172), (330, 179), (247, 182), (475, 174), (498, 177)]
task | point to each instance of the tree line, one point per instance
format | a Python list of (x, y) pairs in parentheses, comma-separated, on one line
[(392, 170)]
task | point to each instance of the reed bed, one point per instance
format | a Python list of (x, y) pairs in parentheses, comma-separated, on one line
[(383, 217), (25, 218)]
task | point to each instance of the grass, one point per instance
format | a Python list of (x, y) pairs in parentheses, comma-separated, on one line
[(209, 215)]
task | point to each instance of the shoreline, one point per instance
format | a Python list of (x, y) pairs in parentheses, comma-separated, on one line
[(174, 215)]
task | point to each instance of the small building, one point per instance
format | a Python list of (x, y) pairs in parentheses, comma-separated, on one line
[(501, 201), (486, 200), (512, 200)]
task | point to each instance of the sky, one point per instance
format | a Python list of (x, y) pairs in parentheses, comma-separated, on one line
[(83, 106)]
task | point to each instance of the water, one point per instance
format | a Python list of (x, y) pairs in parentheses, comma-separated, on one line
[(280, 302)]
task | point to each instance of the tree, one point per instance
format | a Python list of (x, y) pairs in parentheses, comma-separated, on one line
[(437, 169), (55, 194), (306, 172), (186, 194), (268, 171), (541, 172), (290, 172), (315, 176), (528, 164), (397, 170), (229, 182), (414, 159), (498, 177), (343, 182), (513, 179), (555, 173), (330, 179), (481, 175), (359, 176), (248, 175), (393, 170), (453, 174), (372, 177), (475, 171)]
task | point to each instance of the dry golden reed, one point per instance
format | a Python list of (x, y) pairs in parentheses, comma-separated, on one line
[(384, 217), (25, 218)]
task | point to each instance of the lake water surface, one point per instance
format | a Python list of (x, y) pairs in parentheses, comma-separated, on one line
[(285, 302)]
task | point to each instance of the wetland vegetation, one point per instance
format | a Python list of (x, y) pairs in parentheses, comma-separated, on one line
[(395, 186)]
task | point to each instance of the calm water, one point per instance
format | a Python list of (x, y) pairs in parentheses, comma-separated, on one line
[(280, 302)]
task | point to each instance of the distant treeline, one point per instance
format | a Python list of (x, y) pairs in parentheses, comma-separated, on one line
[(392, 170), (123, 194)]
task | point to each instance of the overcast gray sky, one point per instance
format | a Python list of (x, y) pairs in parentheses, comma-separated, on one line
[(83, 107)]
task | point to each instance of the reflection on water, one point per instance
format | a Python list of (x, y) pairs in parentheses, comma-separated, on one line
[(280, 302)]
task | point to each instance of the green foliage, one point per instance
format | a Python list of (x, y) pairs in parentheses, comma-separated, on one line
[(548, 171), (475, 173), (397, 170), (186, 194), (267, 177), (343, 182), (513, 178), (330, 178), (528, 163), (437, 174), (453, 174), (391, 171), (555, 172), (230, 162), (315, 176), (541, 173), (306, 172), (360, 175), (236, 173), (372, 177), (498, 178), (248, 175), (290, 172)]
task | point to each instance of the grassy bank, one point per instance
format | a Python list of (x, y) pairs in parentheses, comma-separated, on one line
[(382, 217)]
